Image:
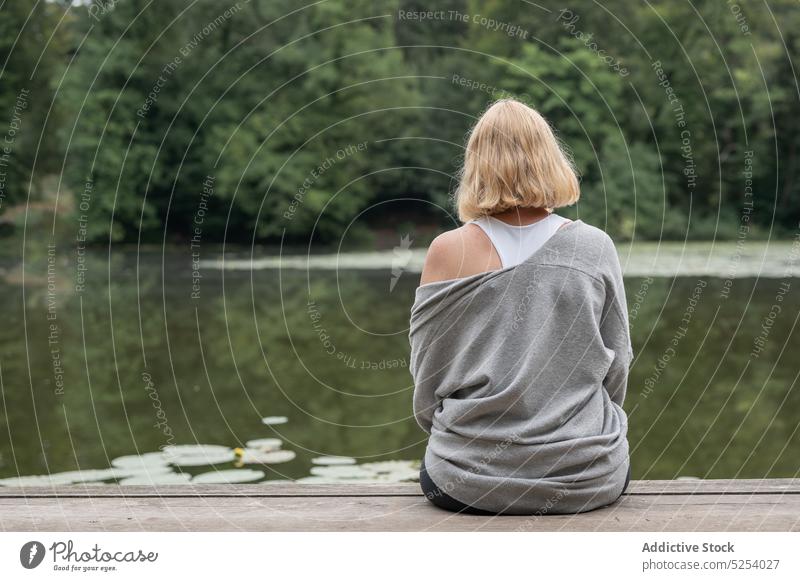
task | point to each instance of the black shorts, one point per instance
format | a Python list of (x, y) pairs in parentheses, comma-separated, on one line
[(441, 499)]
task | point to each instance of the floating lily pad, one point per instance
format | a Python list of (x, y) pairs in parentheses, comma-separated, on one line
[(385, 472), (203, 460), (327, 480), (140, 460), (333, 461), (194, 449), (62, 478), (317, 480), (274, 420), (342, 472), (156, 479), (265, 444), (141, 471), (95, 476), (90, 476), (394, 470), (399, 476), (24, 481), (198, 455), (259, 457), (390, 466), (228, 477)]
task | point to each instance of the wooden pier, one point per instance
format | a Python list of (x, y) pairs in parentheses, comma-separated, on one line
[(649, 505)]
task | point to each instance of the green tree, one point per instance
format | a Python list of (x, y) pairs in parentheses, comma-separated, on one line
[(32, 48)]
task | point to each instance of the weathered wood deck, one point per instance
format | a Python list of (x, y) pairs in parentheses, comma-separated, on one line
[(705, 505)]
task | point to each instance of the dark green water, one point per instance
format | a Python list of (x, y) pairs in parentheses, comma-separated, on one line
[(145, 365)]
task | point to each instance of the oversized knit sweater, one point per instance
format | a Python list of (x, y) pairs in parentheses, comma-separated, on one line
[(519, 378)]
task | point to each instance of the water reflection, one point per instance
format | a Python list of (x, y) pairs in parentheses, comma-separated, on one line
[(319, 365)]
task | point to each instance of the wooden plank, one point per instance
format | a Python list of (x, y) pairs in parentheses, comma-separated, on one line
[(709, 505), (214, 490), (649, 512), (716, 486), (291, 489)]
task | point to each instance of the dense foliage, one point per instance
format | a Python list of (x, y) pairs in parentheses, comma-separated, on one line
[(264, 119)]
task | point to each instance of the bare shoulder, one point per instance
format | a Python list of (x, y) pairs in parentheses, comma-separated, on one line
[(457, 253)]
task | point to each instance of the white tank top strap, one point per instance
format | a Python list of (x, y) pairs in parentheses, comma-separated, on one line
[(515, 244)]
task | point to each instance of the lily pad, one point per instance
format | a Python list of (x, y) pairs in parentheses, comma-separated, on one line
[(333, 461), (394, 470), (342, 472), (327, 480), (274, 420), (228, 476), (25, 481), (140, 460), (259, 457), (141, 471), (205, 460), (156, 479), (198, 455), (265, 444), (194, 449), (399, 476), (62, 478), (91, 476), (390, 466)]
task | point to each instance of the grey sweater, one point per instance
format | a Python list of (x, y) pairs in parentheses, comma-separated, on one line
[(520, 375)]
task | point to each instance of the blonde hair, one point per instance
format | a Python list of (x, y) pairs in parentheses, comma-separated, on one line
[(513, 160)]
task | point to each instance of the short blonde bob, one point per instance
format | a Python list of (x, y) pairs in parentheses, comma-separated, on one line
[(513, 160)]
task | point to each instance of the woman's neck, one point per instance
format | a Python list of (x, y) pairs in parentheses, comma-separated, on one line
[(522, 216)]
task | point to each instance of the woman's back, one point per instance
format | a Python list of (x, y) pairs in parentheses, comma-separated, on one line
[(519, 338), (519, 377)]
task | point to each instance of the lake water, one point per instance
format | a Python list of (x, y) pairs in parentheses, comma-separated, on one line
[(133, 362)]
